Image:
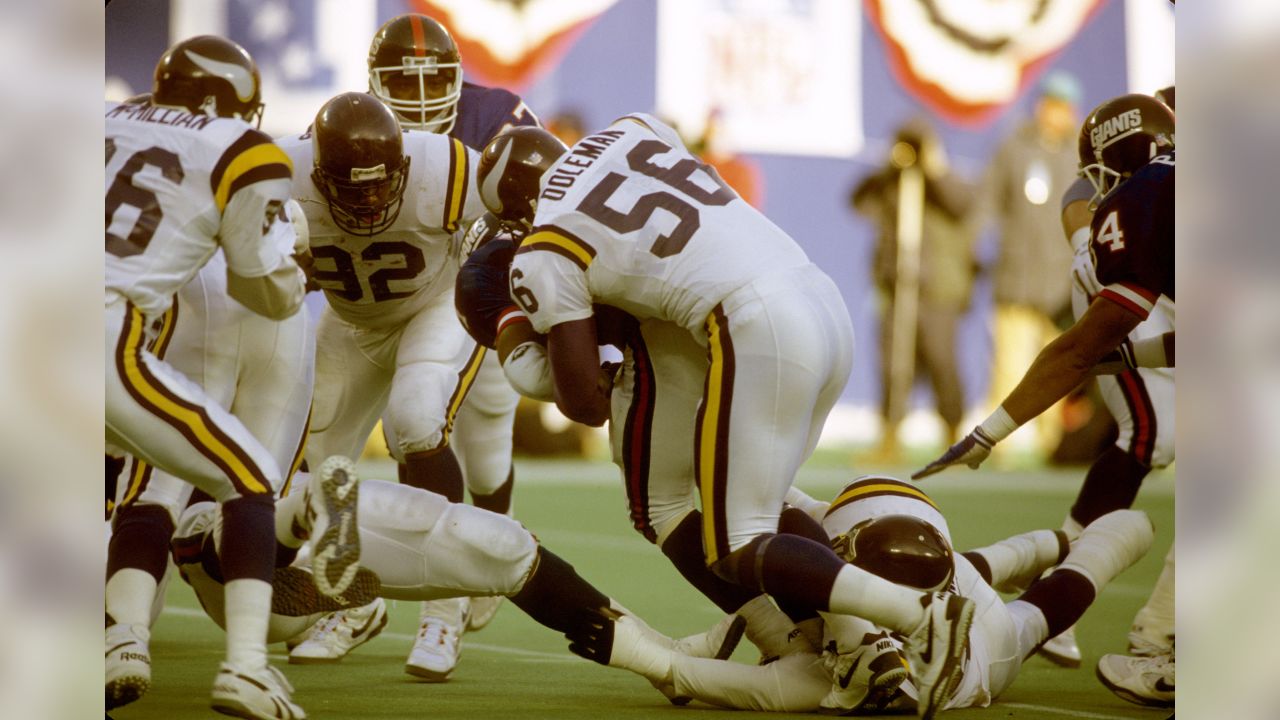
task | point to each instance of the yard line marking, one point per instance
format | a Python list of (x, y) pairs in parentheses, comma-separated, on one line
[(533, 655), (1060, 711)]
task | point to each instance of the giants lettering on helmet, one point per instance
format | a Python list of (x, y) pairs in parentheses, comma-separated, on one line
[(1115, 128)]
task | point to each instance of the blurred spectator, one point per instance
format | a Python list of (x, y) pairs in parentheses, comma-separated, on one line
[(740, 172), (568, 126), (946, 272), (1027, 175)]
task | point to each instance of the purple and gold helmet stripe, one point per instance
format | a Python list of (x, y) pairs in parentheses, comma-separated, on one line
[(875, 487)]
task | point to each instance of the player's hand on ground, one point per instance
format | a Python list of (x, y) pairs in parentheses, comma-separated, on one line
[(971, 451)]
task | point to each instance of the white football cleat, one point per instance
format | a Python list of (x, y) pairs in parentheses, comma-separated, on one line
[(262, 695), (1141, 680), (335, 536), (339, 633), (1062, 650), (128, 663), (865, 680), (482, 611), (936, 648), (439, 644), (1145, 643)]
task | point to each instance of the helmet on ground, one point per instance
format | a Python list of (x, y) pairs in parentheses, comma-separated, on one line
[(903, 549)]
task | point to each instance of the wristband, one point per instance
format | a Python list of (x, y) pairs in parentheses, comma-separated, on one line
[(509, 317), (998, 426)]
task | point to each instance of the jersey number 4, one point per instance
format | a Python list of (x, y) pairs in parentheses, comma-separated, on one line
[(677, 177), (124, 191), (1110, 235)]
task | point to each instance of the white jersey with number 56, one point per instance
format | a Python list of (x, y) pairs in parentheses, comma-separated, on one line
[(383, 280), (629, 218)]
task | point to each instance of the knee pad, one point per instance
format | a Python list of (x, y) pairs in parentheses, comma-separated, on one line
[(742, 566)]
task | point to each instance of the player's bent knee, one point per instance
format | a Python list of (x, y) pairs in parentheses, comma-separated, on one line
[(742, 566), (492, 554)]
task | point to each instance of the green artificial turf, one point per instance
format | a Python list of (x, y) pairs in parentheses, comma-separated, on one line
[(515, 668)]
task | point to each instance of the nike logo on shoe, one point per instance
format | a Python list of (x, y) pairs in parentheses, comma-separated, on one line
[(844, 681)]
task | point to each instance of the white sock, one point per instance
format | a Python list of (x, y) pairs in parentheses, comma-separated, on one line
[(1156, 618), (1030, 624), (1109, 545), (858, 592), (847, 630), (248, 609), (1072, 528), (1019, 559), (129, 595), (768, 628)]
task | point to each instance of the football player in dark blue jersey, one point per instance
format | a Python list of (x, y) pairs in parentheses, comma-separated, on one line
[(1127, 152)]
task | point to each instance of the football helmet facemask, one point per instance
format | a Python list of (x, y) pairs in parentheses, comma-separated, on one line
[(899, 548), (415, 68), (510, 173), (359, 163), (1120, 136), (209, 75)]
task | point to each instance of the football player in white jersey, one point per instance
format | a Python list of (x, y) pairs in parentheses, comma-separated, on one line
[(383, 206), (415, 69), (659, 378), (185, 177), (629, 218), (895, 530)]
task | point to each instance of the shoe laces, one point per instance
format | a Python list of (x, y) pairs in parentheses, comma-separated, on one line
[(434, 631)]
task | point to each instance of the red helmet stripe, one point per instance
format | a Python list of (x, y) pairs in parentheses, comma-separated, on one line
[(419, 39)]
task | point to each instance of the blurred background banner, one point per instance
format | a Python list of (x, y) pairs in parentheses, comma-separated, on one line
[(966, 59), (761, 67), (511, 42)]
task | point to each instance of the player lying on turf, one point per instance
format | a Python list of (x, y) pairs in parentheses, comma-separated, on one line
[(894, 529), (416, 545)]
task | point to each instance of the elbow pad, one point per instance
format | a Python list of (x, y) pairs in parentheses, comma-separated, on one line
[(529, 372)]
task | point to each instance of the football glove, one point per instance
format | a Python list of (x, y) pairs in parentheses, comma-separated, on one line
[(971, 451), (481, 296)]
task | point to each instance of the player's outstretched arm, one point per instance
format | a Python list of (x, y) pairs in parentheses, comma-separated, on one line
[(1060, 367)]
